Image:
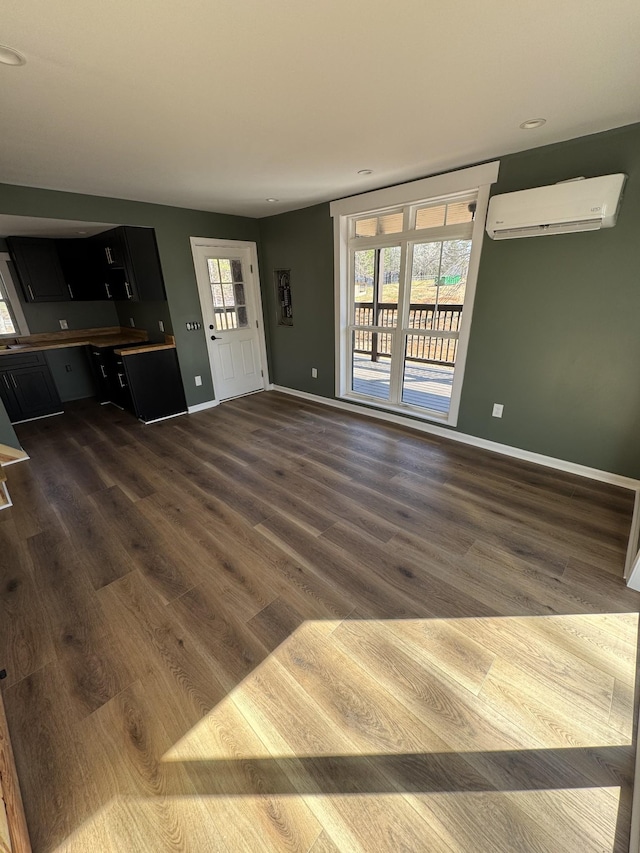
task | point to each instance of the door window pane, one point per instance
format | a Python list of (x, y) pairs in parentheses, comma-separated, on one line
[(228, 294), (239, 294), (431, 217), (364, 262), (376, 286), (455, 213), (389, 278), (371, 365), (236, 270), (387, 223), (438, 281), (428, 372)]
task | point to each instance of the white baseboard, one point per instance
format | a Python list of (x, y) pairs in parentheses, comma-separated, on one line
[(5, 497), (631, 561), (200, 407), (164, 418), (24, 458), (474, 441)]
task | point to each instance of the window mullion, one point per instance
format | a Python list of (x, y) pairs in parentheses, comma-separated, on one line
[(397, 352)]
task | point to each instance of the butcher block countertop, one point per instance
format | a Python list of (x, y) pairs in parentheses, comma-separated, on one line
[(111, 336), (169, 343)]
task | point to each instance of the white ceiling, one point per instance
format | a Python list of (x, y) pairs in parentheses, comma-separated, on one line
[(219, 104)]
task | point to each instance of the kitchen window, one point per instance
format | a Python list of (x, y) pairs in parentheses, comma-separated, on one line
[(406, 267), (12, 319)]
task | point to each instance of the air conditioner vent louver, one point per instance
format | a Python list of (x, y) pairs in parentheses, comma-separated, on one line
[(551, 228), (579, 205)]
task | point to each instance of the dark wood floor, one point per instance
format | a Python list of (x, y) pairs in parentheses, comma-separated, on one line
[(276, 626)]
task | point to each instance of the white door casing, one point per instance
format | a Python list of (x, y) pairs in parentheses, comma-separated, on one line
[(229, 291)]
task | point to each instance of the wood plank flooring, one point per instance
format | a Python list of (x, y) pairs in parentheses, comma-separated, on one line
[(275, 626)]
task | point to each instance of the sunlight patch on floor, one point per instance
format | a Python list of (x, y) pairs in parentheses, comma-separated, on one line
[(412, 686), (426, 735)]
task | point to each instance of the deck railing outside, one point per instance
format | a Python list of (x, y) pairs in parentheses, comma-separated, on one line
[(429, 349)]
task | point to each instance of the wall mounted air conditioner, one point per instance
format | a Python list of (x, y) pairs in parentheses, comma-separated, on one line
[(583, 204)]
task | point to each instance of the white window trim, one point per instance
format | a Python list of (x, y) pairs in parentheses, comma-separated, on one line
[(476, 178), (12, 294)]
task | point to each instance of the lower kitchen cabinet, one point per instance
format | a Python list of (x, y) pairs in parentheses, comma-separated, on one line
[(27, 387), (146, 383), (100, 368), (154, 383)]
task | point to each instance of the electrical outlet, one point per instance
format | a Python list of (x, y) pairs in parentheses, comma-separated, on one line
[(198, 380), (314, 372), (64, 324), (161, 325), (132, 322), (498, 409)]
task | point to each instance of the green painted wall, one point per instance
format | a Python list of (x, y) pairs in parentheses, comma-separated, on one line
[(556, 327), (45, 316), (7, 433), (301, 241), (173, 227), (145, 315)]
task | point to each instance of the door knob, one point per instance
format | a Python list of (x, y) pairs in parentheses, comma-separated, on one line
[(213, 338)]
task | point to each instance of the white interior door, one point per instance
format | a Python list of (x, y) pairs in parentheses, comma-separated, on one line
[(229, 295)]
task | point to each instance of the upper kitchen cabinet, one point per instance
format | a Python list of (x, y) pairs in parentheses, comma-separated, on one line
[(38, 267), (80, 269), (129, 263)]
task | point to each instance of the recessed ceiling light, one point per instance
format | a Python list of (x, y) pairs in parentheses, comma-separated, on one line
[(9, 56), (365, 172), (272, 200), (532, 123)]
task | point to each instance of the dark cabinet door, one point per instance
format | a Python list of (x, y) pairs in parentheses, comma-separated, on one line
[(144, 270), (119, 385), (28, 389), (79, 264), (100, 370), (35, 391), (129, 263), (110, 248), (9, 398), (113, 265), (155, 383), (38, 267)]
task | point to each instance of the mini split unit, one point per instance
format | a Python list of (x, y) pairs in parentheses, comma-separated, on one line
[(582, 204)]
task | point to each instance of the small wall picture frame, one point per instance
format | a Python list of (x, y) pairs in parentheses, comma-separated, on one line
[(282, 280)]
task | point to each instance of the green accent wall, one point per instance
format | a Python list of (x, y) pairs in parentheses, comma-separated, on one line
[(145, 315), (301, 241), (174, 226), (556, 326), (7, 433), (45, 316)]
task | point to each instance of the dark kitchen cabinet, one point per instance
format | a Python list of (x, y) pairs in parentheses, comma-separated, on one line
[(154, 383), (129, 264), (109, 377), (99, 359), (80, 269), (27, 387), (39, 271)]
